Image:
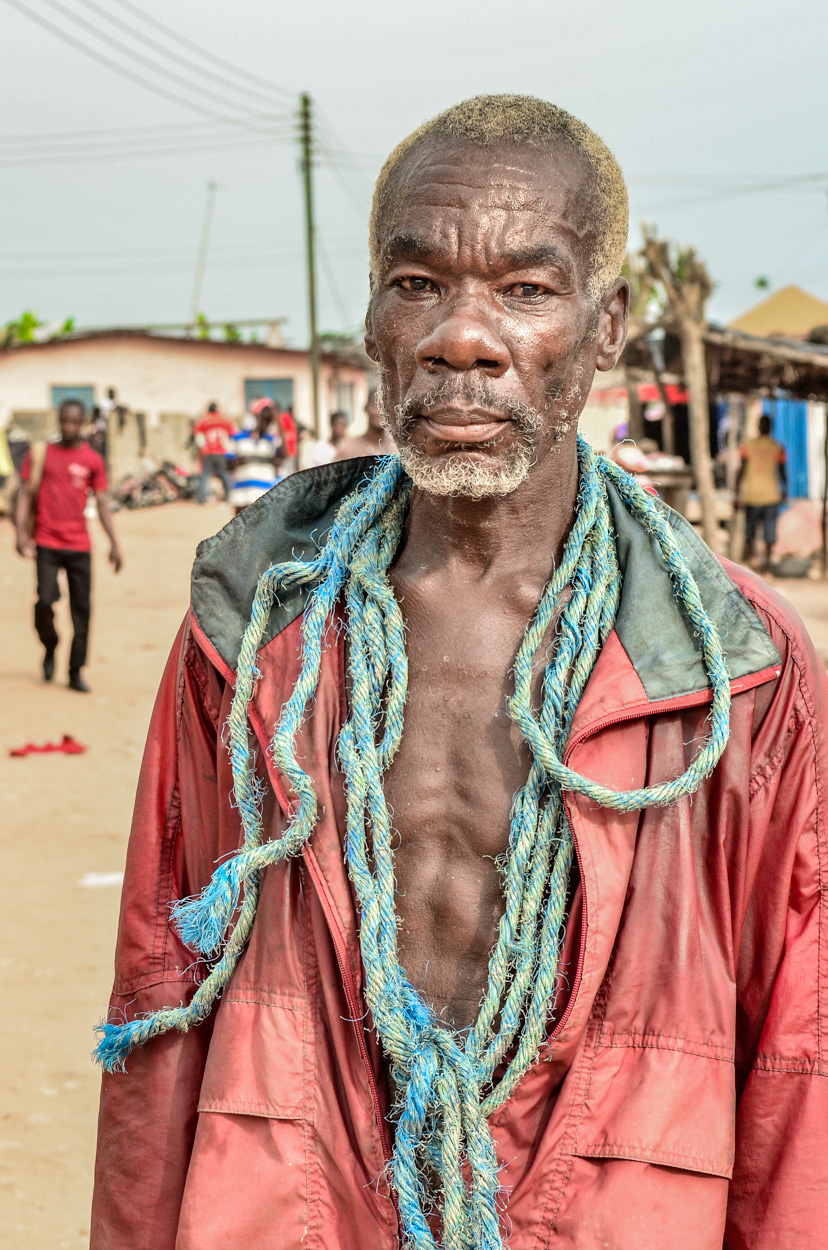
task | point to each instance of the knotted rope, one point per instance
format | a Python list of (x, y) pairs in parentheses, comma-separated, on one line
[(444, 1160)]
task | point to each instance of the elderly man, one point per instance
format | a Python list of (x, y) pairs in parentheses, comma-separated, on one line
[(487, 799)]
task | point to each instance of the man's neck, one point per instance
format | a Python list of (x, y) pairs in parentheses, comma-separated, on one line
[(523, 532), (70, 443)]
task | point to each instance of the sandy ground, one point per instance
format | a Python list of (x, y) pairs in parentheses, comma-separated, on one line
[(64, 817)]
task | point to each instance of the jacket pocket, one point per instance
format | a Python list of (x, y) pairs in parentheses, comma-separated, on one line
[(658, 1100), (258, 1063)]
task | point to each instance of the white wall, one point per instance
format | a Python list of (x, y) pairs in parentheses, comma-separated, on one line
[(154, 376)]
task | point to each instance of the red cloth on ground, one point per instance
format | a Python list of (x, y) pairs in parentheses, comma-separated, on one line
[(216, 430), (68, 746), (69, 475)]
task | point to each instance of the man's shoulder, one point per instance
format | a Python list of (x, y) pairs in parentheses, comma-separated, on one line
[(290, 522), (778, 615), (93, 458)]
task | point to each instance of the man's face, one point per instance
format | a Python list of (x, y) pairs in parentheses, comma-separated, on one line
[(480, 320), (266, 418), (71, 423), (339, 428)]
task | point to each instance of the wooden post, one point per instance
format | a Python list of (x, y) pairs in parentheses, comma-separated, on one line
[(306, 143), (695, 374), (635, 410)]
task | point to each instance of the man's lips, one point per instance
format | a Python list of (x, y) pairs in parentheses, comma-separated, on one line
[(463, 425)]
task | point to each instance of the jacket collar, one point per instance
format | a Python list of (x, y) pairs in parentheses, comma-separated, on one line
[(293, 520)]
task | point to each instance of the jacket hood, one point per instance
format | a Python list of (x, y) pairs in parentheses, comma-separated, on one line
[(293, 520)]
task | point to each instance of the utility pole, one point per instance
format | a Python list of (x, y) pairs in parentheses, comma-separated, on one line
[(306, 142), (212, 187)]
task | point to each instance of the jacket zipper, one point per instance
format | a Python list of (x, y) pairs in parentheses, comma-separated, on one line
[(695, 699)]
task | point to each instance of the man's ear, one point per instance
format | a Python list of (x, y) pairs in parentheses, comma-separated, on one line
[(612, 325), (370, 343)]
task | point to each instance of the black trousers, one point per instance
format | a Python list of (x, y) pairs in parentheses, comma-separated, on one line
[(78, 566)]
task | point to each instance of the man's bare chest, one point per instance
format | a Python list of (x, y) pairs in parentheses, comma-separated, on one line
[(450, 791)]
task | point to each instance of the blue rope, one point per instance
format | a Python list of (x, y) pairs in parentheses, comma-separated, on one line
[(444, 1163)]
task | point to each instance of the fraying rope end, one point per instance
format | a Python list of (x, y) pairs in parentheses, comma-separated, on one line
[(202, 920), (115, 1043)]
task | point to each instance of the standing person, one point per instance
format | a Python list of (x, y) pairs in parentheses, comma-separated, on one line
[(56, 480), (98, 434), (762, 485), (479, 860), (109, 405), (323, 450), (255, 454), (376, 441), (213, 433)]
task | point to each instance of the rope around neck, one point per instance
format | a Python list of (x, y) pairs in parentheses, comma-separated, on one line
[(444, 1165)]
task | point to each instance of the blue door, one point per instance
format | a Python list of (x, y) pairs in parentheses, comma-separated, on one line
[(84, 394), (790, 428), (280, 390)]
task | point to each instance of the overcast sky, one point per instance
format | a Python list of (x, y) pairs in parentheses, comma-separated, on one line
[(702, 102)]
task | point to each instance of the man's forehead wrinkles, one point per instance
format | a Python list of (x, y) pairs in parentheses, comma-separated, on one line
[(543, 243), (445, 193)]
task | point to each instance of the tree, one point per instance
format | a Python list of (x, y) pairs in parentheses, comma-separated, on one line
[(687, 287), (643, 298), (22, 330)]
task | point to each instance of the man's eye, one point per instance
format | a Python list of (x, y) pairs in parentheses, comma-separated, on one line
[(416, 285), (526, 290)]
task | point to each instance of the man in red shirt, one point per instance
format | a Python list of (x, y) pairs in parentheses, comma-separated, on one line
[(54, 492), (212, 434)]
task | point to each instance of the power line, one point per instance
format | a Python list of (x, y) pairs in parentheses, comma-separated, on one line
[(326, 152), (342, 242), (125, 153), (332, 284), (62, 137), (724, 181), (103, 37), (203, 52), (228, 264), (241, 88), (124, 72), (206, 131)]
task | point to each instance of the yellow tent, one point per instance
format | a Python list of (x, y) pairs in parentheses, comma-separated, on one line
[(790, 313)]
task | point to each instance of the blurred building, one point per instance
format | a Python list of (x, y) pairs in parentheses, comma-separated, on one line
[(164, 381), (790, 313)]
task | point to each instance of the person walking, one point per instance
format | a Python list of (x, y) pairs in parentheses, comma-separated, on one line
[(51, 527), (762, 485), (213, 433)]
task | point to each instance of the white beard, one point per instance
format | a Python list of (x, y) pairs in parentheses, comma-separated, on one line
[(455, 474)]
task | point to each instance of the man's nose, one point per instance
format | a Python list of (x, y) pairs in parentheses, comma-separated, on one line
[(464, 338)]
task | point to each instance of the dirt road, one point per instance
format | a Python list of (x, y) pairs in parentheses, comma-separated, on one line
[(65, 817)]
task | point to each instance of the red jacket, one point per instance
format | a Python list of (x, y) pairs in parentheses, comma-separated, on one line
[(681, 1104)]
